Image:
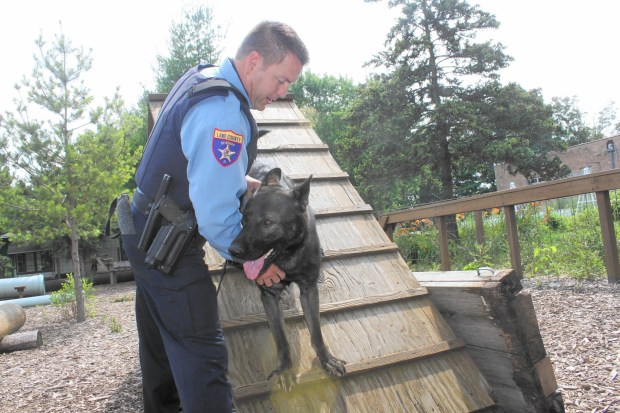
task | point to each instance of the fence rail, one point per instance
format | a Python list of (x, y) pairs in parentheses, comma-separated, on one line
[(599, 183)]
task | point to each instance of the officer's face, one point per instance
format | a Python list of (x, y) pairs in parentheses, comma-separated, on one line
[(272, 82)]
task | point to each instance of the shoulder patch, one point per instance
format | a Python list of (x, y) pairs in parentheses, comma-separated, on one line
[(227, 146)]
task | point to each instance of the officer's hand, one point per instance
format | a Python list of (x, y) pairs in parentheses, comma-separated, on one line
[(271, 276), (253, 185)]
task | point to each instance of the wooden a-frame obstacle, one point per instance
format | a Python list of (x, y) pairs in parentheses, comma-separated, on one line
[(402, 357)]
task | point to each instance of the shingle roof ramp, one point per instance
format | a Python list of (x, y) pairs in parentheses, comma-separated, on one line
[(402, 357)]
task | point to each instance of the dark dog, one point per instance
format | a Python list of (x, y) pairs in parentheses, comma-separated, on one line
[(277, 220)]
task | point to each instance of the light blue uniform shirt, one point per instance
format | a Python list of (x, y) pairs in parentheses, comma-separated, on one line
[(216, 183)]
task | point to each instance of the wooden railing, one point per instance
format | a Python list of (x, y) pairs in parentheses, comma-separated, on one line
[(600, 183)]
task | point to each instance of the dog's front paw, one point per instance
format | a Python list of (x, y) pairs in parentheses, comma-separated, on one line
[(285, 379), (334, 366)]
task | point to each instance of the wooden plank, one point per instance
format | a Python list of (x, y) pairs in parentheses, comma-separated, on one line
[(311, 147), (329, 308), (333, 193), (513, 239), (287, 135), (546, 376), (455, 279), (279, 122), (608, 234), (444, 251), (320, 176), (353, 231), (366, 366), (479, 227), (300, 162), (600, 181), (405, 388), (498, 323), (217, 267), (343, 211)]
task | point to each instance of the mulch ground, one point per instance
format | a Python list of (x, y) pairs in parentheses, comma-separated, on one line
[(93, 366)]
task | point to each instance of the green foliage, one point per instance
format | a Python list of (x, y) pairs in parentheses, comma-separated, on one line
[(124, 298), (65, 298), (115, 326), (192, 41), (72, 158), (437, 119), (570, 122), (325, 98), (551, 244)]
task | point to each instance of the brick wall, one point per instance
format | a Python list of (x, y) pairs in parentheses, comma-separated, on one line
[(593, 155)]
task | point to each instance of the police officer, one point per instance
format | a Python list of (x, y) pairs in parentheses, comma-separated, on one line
[(206, 141)]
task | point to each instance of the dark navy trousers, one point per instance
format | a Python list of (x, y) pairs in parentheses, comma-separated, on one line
[(183, 355)]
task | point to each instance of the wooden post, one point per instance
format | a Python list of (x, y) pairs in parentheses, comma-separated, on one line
[(479, 227), (20, 291), (21, 341), (443, 243), (389, 230), (513, 239), (608, 234)]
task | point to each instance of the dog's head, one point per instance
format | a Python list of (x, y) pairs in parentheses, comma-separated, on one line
[(273, 218)]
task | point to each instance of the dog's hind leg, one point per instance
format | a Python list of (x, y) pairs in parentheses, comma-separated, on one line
[(309, 297), (275, 319)]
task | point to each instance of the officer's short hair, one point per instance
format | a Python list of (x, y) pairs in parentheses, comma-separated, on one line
[(273, 40)]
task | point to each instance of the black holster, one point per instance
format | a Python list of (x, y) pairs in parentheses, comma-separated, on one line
[(168, 231)]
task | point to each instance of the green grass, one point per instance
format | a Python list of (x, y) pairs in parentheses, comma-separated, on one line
[(564, 242)]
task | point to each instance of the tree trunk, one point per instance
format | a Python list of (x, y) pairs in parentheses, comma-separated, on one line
[(77, 272)]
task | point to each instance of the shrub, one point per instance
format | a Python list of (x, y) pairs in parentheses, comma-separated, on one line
[(64, 299)]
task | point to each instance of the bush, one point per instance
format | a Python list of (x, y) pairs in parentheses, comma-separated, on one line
[(551, 242), (64, 299)]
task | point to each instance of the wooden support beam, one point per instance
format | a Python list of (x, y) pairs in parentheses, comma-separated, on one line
[(21, 341), (479, 227), (443, 243), (513, 239), (608, 234)]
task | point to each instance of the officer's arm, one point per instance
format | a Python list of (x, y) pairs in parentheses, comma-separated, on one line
[(214, 136)]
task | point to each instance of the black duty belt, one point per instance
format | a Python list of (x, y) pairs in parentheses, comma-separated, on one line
[(142, 202)]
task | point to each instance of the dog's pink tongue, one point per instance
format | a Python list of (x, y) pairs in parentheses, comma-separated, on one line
[(252, 268)]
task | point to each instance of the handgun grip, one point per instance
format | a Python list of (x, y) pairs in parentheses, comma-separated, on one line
[(153, 219)]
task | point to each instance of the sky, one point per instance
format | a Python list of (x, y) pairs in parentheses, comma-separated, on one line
[(567, 48)]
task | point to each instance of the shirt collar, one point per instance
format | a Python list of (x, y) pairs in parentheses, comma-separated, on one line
[(227, 71)]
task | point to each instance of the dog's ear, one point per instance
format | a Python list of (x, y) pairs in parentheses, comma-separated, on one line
[(302, 192), (273, 177)]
